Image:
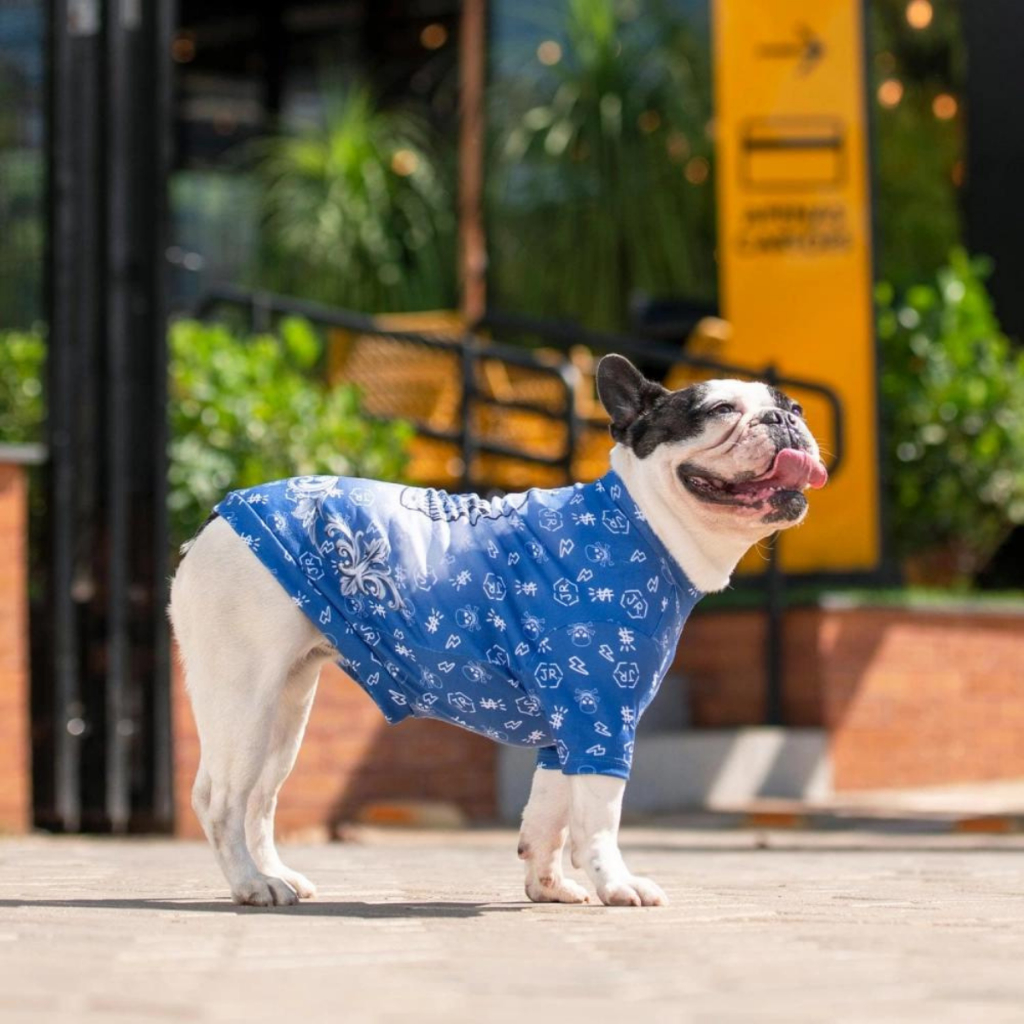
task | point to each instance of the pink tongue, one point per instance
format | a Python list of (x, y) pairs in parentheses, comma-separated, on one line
[(795, 470)]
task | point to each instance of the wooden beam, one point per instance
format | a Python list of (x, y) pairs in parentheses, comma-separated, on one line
[(472, 238)]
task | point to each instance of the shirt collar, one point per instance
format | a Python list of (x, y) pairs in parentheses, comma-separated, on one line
[(616, 492)]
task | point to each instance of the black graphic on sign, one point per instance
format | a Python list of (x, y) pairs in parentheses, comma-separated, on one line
[(807, 49), (798, 226), (786, 154)]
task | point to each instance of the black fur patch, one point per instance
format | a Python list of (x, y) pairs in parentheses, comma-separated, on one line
[(786, 506), (675, 416), (644, 414)]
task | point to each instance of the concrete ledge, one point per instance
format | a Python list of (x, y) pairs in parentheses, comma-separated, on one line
[(23, 454), (720, 768)]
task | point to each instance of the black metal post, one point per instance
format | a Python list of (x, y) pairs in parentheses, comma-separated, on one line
[(164, 17), (75, 299), (123, 27), (775, 595), (774, 657), (467, 433), (109, 155)]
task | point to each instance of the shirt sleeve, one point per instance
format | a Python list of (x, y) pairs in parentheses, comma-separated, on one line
[(547, 757), (607, 675)]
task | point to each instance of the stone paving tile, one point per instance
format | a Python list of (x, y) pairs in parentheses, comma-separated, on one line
[(433, 927)]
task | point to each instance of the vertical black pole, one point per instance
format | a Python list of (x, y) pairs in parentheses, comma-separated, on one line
[(164, 18), (76, 313), (994, 202), (775, 584), (467, 432), (123, 27), (110, 121), (774, 658)]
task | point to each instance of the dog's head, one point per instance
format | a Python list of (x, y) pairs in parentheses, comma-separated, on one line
[(736, 455)]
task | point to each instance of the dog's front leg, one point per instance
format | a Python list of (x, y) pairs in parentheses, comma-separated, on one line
[(595, 810), (542, 840)]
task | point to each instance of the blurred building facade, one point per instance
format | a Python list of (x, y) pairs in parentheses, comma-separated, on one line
[(560, 213)]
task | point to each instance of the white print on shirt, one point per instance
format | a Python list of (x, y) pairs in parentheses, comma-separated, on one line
[(581, 633), (468, 617)]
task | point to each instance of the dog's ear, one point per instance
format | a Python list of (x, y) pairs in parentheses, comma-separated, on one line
[(625, 393)]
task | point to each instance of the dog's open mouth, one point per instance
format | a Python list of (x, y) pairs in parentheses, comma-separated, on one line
[(791, 472)]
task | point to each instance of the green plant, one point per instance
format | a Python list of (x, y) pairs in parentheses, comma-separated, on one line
[(22, 361), (953, 416), (248, 410), (604, 173), (357, 211)]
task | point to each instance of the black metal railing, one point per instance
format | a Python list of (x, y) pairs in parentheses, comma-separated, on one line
[(263, 309), (483, 343), (648, 352)]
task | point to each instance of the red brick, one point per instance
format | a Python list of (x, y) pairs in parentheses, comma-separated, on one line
[(15, 778), (910, 698)]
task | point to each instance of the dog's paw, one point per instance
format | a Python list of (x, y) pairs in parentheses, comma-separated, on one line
[(632, 891), (264, 891), (556, 890), (305, 889)]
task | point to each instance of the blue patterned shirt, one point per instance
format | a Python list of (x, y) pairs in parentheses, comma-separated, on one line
[(545, 619)]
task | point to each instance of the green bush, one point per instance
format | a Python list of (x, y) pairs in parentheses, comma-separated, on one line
[(22, 358), (245, 411), (953, 415)]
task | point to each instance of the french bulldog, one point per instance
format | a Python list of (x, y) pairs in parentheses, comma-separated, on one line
[(545, 619)]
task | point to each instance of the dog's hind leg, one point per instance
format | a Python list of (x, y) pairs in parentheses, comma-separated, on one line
[(542, 840), (233, 748), (287, 730), (241, 638)]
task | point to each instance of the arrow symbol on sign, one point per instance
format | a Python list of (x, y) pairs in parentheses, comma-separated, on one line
[(808, 49)]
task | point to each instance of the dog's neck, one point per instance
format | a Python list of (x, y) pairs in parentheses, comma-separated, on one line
[(707, 558)]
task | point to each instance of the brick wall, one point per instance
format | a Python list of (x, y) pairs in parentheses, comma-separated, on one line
[(350, 757), (923, 698), (910, 698), (15, 775), (722, 655)]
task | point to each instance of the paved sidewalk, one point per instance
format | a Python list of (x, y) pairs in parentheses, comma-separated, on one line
[(787, 927)]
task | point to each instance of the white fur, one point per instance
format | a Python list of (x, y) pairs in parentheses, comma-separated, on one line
[(252, 660)]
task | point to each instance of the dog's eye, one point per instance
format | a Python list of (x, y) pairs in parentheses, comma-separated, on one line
[(722, 409), (797, 408)]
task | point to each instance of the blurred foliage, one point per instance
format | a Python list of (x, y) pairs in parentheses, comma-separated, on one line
[(22, 239), (358, 210), (22, 195), (247, 410), (917, 202), (953, 416), (22, 362), (242, 411), (603, 182)]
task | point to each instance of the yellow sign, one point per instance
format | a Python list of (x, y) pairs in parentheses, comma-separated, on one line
[(794, 240)]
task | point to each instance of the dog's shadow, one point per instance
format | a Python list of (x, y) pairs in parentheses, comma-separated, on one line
[(322, 908)]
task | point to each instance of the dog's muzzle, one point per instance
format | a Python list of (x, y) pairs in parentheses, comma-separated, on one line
[(778, 491)]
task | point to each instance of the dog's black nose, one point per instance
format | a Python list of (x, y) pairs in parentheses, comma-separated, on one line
[(772, 416)]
